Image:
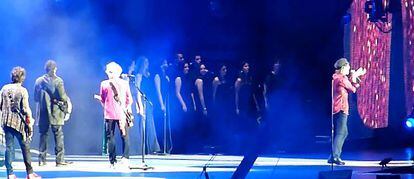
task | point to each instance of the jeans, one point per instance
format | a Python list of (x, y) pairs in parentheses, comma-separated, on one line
[(10, 133), (341, 132), (110, 138), (59, 144)]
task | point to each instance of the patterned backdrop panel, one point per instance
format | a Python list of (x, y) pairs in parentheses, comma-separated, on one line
[(408, 28), (370, 49)]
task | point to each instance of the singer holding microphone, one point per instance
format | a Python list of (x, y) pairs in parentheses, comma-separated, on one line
[(344, 81)]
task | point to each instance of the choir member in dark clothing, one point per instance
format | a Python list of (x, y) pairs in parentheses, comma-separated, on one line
[(271, 84), (246, 105), (245, 99), (223, 105), (203, 95), (203, 90), (145, 83), (162, 104), (184, 103), (195, 68)]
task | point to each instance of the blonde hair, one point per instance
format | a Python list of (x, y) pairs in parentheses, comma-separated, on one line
[(114, 69)]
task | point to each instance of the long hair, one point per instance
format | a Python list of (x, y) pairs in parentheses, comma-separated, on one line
[(140, 65)]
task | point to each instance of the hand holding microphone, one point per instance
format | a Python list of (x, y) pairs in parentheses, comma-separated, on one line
[(361, 71), (127, 75), (356, 74)]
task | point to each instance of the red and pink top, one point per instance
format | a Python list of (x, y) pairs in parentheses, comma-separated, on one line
[(341, 86)]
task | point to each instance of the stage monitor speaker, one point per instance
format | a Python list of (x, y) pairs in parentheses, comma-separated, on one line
[(336, 174)]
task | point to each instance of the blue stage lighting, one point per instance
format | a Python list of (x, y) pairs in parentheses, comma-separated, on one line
[(409, 122)]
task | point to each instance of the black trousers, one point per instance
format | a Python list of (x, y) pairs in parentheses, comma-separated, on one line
[(110, 138), (10, 134), (59, 143)]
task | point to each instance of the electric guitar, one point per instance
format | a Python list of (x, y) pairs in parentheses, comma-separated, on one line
[(66, 107)]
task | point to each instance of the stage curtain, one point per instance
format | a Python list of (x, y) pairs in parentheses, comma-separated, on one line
[(370, 49)]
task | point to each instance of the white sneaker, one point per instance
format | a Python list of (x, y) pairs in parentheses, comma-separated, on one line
[(124, 162), (123, 165)]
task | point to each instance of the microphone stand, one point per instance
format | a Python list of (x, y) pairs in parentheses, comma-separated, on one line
[(206, 166), (164, 152), (166, 117), (143, 165)]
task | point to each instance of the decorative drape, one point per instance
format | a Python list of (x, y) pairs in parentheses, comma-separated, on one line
[(370, 49)]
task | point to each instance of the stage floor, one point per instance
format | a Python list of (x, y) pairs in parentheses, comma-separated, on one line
[(219, 166)]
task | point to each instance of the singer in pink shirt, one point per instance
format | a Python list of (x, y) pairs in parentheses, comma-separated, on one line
[(114, 110)]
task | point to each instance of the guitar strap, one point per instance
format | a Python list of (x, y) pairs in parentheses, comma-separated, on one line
[(116, 97), (15, 107), (53, 98)]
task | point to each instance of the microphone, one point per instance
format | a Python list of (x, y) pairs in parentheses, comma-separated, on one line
[(357, 79), (127, 75)]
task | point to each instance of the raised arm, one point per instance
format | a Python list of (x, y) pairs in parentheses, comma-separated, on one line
[(348, 85)]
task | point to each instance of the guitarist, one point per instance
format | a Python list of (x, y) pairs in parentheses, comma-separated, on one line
[(52, 103), (116, 100), (17, 122)]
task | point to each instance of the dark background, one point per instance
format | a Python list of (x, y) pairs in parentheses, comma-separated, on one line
[(82, 36)]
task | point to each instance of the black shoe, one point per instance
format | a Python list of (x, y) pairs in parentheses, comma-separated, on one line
[(63, 164), (336, 161), (42, 163)]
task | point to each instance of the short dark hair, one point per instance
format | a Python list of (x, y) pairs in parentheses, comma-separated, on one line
[(50, 65), (18, 74), (341, 63)]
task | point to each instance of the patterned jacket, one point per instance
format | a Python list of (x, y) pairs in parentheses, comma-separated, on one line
[(15, 109)]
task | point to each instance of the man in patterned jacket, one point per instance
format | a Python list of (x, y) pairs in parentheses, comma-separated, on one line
[(17, 121)]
